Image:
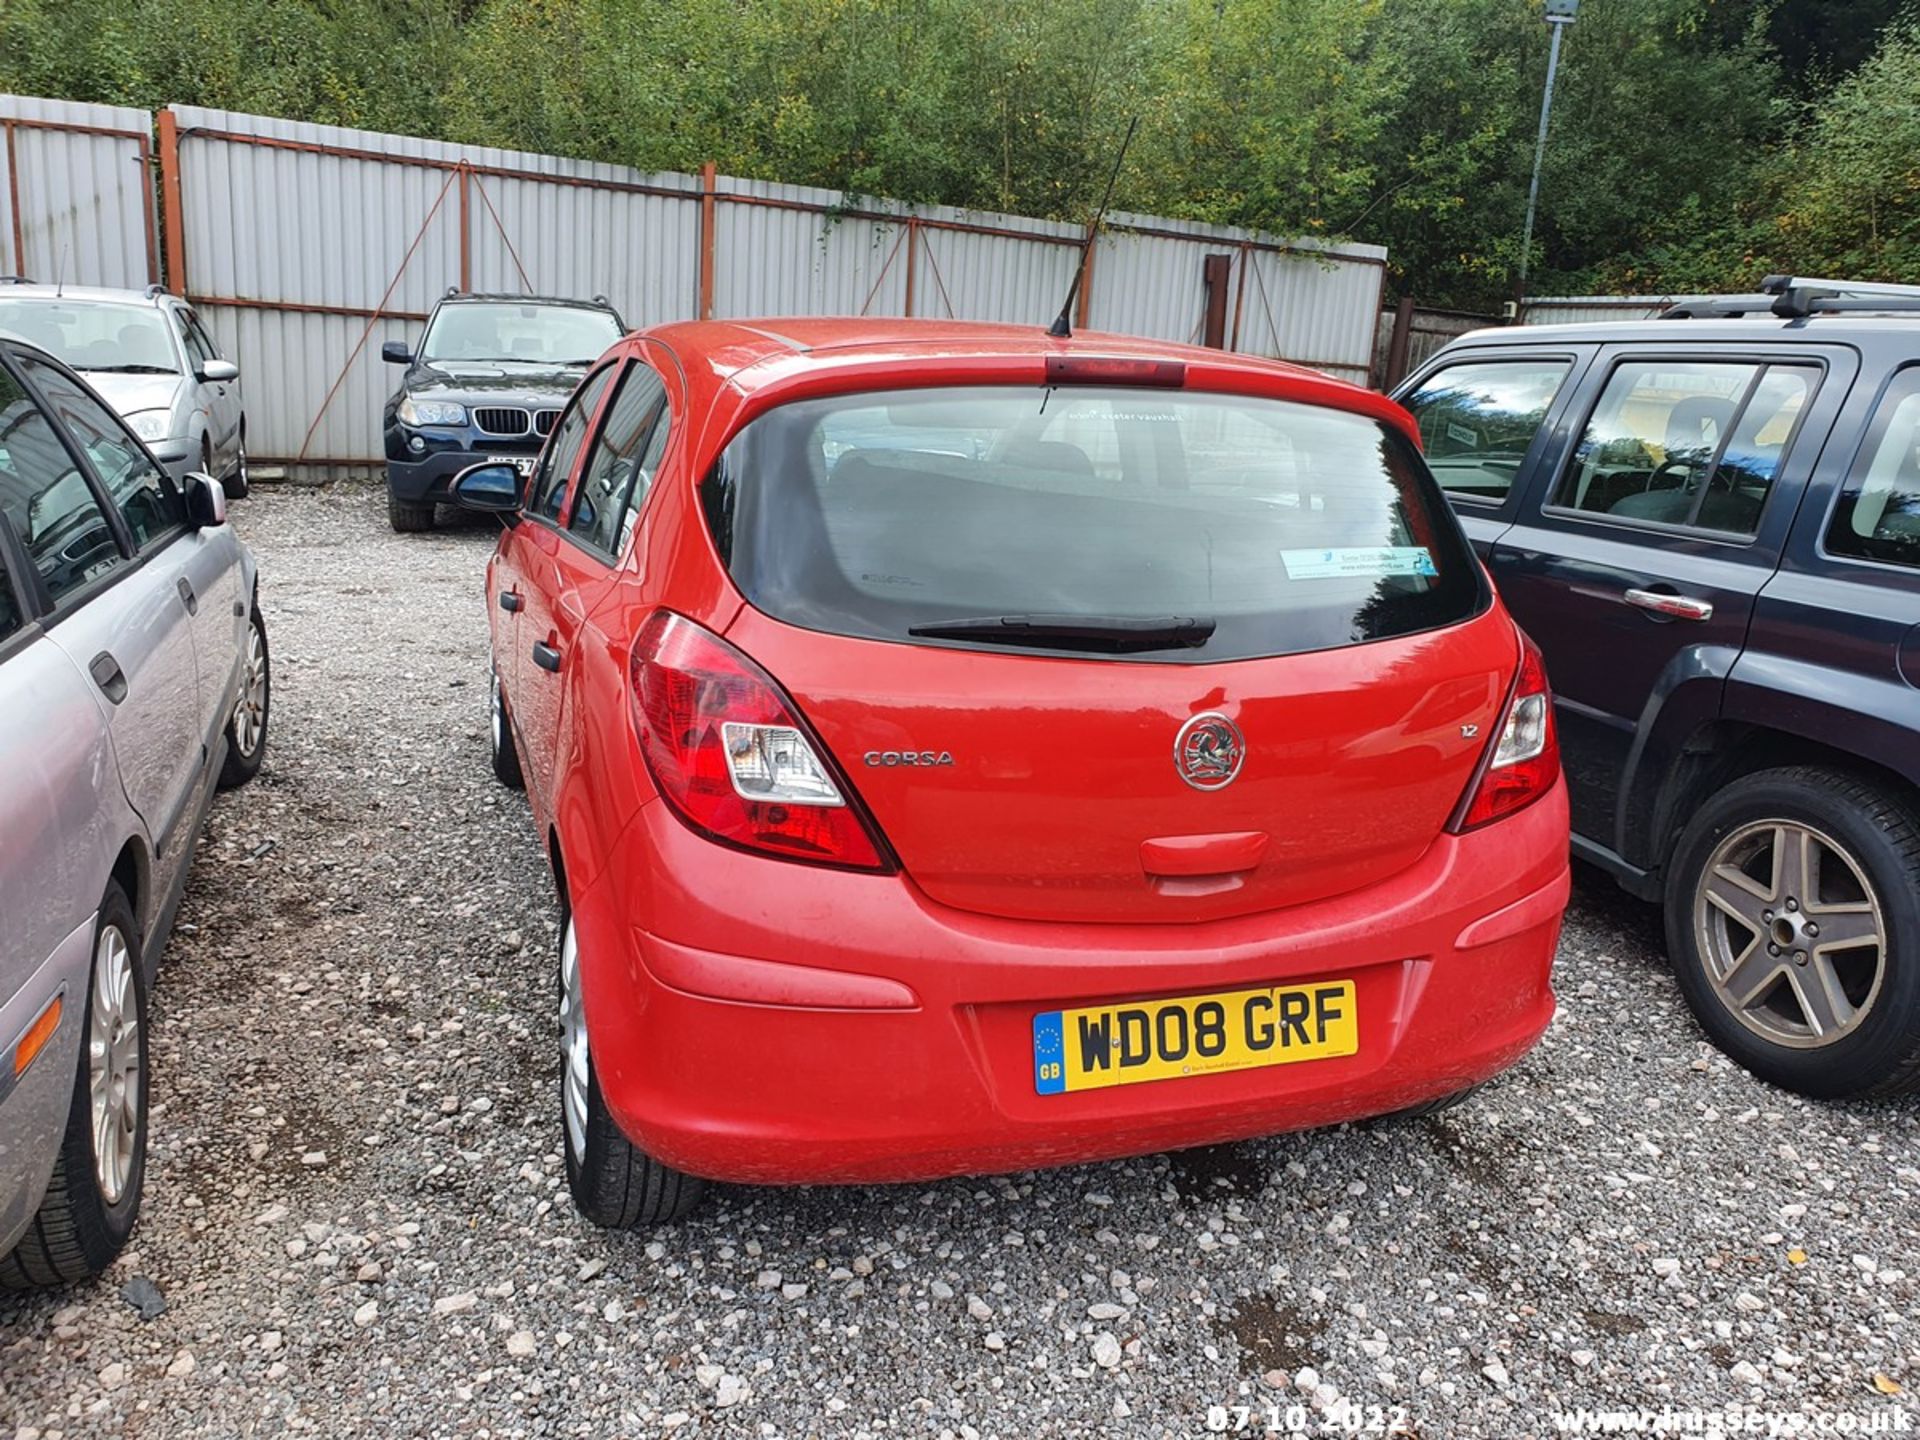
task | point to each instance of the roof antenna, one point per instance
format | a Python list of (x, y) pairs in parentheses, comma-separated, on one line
[(1062, 326), (60, 275)]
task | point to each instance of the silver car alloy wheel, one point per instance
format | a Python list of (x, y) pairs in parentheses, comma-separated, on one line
[(113, 1063), (573, 1047), (1791, 933), (250, 711)]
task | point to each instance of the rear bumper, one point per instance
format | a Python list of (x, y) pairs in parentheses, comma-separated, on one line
[(757, 1021)]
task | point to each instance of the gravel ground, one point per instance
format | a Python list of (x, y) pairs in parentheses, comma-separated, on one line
[(357, 1222)]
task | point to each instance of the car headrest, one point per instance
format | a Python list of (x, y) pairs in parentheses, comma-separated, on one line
[(1695, 425)]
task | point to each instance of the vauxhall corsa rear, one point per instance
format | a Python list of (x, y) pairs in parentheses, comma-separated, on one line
[(962, 750)]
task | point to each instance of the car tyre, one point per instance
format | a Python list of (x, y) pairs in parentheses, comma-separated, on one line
[(237, 485), (247, 726), (91, 1203), (1793, 921), (506, 758), (614, 1183), (1436, 1106), (407, 518)]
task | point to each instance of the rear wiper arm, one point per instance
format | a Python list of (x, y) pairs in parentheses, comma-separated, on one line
[(1102, 634)]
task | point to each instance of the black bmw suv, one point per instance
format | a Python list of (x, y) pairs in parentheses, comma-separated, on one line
[(1710, 523), (487, 382)]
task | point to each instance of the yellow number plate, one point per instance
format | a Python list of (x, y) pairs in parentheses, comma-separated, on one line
[(1192, 1035)]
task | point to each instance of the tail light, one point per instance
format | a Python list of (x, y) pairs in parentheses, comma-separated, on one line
[(732, 757), (1524, 760)]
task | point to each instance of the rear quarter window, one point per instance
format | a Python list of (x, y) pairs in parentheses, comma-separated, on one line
[(1878, 517), (1291, 527)]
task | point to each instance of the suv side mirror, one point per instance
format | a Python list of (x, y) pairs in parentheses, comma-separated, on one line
[(206, 502), (219, 370), (489, 487), (395, 352)]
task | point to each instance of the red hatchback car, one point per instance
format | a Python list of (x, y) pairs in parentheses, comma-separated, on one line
[(962, 750)]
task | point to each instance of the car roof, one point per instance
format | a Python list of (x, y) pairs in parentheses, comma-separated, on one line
[(1752, 329), (741, 367), (736, 349), (30, 290)]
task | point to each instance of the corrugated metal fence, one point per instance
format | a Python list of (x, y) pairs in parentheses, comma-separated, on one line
[(1410, 335), (307, 246), (76, 193)]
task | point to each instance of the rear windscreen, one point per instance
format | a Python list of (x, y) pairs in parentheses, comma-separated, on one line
[(1289, 527)]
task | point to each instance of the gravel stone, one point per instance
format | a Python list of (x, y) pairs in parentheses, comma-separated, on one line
[(343, 968)]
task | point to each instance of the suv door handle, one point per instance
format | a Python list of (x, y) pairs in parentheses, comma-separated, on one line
[(510, 601), (546, 657), (1673, 607), (108, 675), (187, 597)]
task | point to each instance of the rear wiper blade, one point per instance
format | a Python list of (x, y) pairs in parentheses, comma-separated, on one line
[(1104, 634)]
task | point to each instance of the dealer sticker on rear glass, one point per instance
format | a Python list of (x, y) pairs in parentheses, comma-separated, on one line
[(1368, 562)]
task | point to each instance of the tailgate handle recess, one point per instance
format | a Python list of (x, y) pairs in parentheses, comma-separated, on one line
[(1184, 856)]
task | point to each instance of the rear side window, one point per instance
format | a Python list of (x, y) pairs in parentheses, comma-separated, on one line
[(1690, 443), (1478, 419), (1290, 527), (1878, 517)]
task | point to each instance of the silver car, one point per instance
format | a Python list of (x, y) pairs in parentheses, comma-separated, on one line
[(151, 359), (133, 683)]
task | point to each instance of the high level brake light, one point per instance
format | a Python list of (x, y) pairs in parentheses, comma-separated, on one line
[(1524, 761), (1115, 370), (732, 756)]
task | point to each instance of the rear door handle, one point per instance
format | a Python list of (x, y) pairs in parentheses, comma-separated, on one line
[(510, 601), (108, 675), (546, 657), (187, 597), (1673, 607)]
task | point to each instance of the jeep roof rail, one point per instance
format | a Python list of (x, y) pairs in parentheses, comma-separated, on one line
[(1798, 297)]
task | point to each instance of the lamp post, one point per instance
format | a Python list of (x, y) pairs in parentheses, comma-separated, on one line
[(1559, 15)]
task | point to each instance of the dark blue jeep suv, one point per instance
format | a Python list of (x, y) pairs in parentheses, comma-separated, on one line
[(1710, 523)]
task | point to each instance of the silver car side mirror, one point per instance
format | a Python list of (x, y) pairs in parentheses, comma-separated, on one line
[(206, 502), (219, 371)]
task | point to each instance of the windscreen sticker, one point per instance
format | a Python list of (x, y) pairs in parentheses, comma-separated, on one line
[(1366, 562)]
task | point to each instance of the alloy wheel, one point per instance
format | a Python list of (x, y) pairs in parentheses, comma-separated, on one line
[(1791, 933), (573, 1048), (250, 711), (113, 1063)]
